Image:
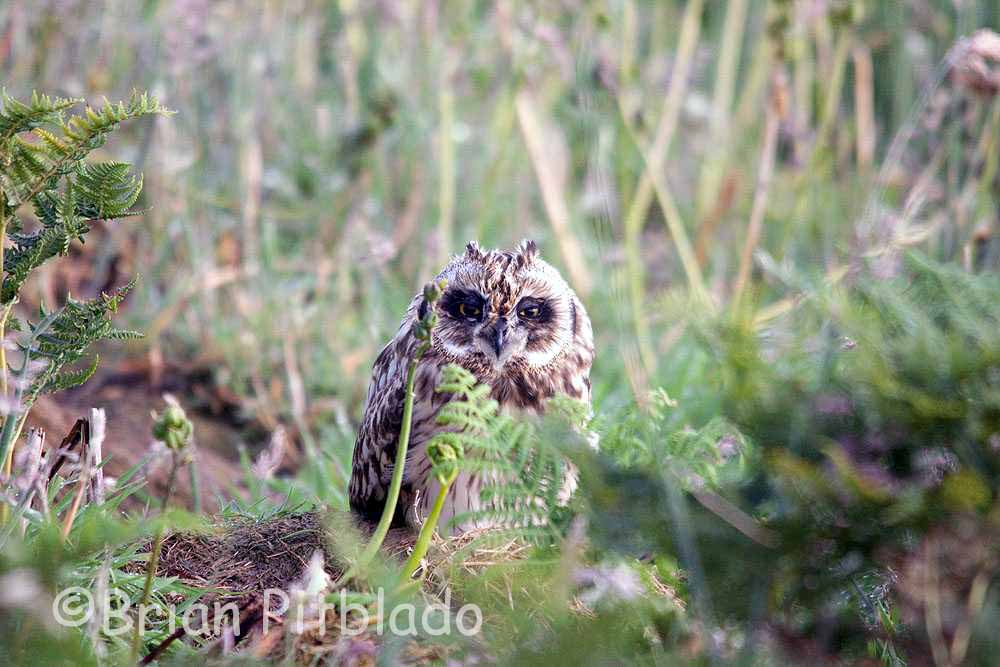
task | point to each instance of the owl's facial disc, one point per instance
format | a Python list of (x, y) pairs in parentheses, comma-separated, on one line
[(504, 308), (498, 332)]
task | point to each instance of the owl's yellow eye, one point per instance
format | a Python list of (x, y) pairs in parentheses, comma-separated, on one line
[(464, 305), (531, 308), (530, 312)]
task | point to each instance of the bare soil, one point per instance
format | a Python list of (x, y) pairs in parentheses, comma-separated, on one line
[(129, 393)]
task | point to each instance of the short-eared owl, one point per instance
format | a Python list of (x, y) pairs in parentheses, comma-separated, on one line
[(509, 318)]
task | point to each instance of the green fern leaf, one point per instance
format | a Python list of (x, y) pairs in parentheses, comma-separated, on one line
[(61, 339), (61, 224), (525, 475), (35, 163), (17, 117), (106, 190), (42, 154), (70, 379), (124, 334)]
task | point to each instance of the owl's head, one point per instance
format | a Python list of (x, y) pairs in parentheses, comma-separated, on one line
[(503, 307)]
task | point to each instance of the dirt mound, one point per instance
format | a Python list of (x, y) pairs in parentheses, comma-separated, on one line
[(241, 559), (247, 557)]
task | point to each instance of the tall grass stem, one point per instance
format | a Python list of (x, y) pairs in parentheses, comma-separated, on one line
[(764, 176), (653, 183)]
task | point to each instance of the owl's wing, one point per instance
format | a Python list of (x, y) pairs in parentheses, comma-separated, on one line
[(375, 448)]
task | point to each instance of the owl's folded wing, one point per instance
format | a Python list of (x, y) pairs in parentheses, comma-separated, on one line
[(375, 448)]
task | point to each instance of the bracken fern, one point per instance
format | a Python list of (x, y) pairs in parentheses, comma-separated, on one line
[(525, 473), (42, 168)]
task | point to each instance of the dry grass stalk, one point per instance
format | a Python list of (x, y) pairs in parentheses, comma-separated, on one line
[(98, 428), (776, 109), (656, 156), (653, 182), (82, 484), (864, 106), (269, 460), (29, 472), (548, 154), (251, 175)]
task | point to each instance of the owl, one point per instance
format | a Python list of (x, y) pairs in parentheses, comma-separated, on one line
[(510, 319)]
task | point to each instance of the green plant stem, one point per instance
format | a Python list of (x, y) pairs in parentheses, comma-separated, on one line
[(7, 457), (171, 481), (391, 500), (147, 589), (426, 531), (12, 425), (3, 325), (7, 437), (831, 100)]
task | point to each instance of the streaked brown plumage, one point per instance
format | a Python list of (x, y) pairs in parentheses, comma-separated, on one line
[(509, 318)]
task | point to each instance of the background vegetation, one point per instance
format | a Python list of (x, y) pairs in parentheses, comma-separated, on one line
[(782, 217)]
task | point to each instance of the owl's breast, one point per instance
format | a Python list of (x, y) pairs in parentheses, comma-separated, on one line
[(527, 389)]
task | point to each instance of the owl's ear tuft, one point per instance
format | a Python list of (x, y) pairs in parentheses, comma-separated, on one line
[(473, 251), (528, 250)]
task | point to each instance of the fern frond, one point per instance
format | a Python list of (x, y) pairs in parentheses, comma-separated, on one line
[(524, 475), (103, 191), (124, 334), (62, 340), (61, 223), (42, 164), (35, 163), (106, 190), (70, 379), (17, 117), (27, 170)]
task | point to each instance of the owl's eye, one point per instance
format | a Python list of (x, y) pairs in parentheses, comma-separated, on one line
[(530, 309), (530, 313), (464, 305)]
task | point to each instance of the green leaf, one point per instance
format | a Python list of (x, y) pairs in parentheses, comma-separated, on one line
[(63, 338), (61, 224), (38, 161), (106, 190), (18, 117), (70, 379)]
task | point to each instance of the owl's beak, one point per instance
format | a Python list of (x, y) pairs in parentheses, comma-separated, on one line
[(497, 335)]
